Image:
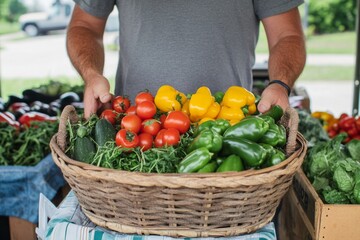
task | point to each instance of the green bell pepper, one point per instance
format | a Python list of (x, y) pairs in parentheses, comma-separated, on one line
[(252, 153), (219, 126), (206, 138), (275, 135), (208, 168), (195, 160), (252, 128), (232, 163), (276, 112), (275, 156)]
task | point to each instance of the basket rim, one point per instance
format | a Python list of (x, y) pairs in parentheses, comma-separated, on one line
[(175, 180)]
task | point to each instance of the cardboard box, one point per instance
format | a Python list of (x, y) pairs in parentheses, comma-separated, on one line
[(304, 216)]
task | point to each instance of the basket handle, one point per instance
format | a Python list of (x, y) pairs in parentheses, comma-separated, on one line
[(290, 120), (68, 113)]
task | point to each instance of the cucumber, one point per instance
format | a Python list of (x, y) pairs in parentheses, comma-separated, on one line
[(84, 149), (104, 132)]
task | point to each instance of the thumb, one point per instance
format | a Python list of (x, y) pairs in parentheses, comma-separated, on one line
[(265, 103), (102, 93)]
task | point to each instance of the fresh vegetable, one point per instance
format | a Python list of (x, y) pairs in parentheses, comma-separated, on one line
[(84, 149), (237, 97), (275, 112), (151, 126), (143, 96), (25, 146), (252, 153), (209, 168), (311, 128), (253, 129), (167, 137), (232, 163), (275, 135), (104, 132), (146, 109), (169, 99), (208, 139), (201, 103), (127, 139), (121, 104), (275, 156), (333, 172), (219, 126), (111, 115), (195, 160), (178, 120), (132, 123), (353, 148), (145, 141)]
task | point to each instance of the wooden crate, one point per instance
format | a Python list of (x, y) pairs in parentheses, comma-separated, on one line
[(304, 216)]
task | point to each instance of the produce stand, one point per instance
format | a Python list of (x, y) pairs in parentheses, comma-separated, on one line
[(305, 216)]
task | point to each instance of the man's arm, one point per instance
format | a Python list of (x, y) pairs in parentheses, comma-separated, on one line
[(287, 56), (85, 48)]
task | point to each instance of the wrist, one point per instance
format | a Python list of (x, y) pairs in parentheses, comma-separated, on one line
[(282, 84)]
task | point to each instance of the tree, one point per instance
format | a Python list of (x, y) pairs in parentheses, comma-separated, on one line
[(329, 16)]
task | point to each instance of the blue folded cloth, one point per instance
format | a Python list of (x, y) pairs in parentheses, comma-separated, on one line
[(20, 187)]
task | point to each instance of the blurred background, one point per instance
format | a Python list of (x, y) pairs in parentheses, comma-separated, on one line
[(32, 50)]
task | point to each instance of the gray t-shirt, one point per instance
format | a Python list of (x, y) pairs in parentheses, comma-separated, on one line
[(186, 43)]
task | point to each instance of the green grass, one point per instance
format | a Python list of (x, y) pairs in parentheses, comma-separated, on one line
[(331, 73), (6, 27), (335, 43)]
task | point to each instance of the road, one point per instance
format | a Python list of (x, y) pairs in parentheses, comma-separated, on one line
[(46, 57)]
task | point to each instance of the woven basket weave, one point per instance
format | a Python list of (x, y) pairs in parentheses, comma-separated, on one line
[(180, 205)]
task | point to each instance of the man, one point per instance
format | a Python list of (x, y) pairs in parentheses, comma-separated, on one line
[(187, 44)]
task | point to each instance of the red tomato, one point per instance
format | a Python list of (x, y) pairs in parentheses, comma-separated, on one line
[(151, 126), (131, 110), (143, 96), (146, 109), (171, 137), (162, 119), (178, 120), (167, 137), (131, 122), (127, 139), (120, 104), (145, 141), (158, 141), (110, 115)]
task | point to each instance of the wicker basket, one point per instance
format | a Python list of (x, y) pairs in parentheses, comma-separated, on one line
[(180, 205)]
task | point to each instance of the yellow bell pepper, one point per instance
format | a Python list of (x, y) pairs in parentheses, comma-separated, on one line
[(169, 99), (325, 118), (233, 115), (200, 103), (236, 103), (213, 111), (238, 97)]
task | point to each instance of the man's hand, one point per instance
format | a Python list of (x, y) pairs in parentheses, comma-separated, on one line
[(97, 95), (274, 94)]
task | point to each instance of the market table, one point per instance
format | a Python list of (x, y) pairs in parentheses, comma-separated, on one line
[(69, 222)]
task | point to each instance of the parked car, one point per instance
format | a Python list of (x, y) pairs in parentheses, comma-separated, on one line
[(56, 18)]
